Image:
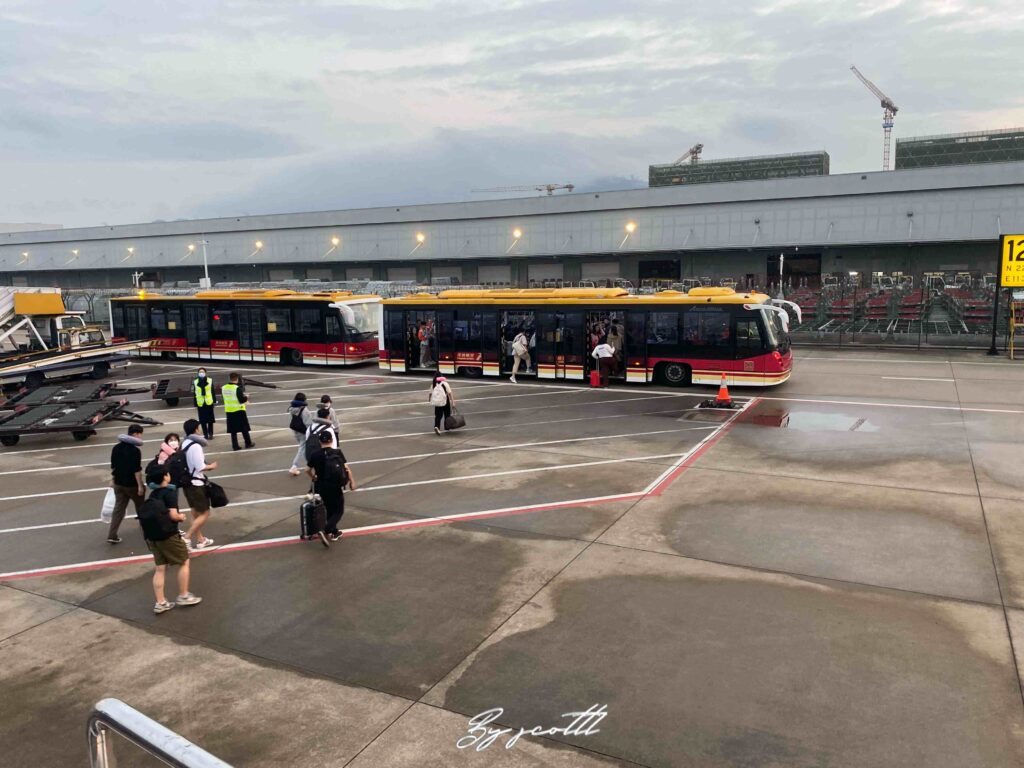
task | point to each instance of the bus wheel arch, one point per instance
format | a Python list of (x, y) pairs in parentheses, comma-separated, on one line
[(674, 374), (9, 441), (471, 372)]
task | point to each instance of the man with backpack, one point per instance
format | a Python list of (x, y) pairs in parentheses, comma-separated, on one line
[(159, 518), (320, 425), (195, 486), (329, 470)]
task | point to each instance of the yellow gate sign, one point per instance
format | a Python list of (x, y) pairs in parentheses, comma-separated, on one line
[(1013, 261)]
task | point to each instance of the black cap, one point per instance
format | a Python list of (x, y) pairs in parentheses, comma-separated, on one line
[(325, 437)]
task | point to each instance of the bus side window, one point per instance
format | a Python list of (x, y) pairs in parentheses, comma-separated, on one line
[(333, 327), (748, 338)]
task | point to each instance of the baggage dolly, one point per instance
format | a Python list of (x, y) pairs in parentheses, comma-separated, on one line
[(51, 418)]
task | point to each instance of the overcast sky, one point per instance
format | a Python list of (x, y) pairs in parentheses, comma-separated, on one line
[(115, 111)]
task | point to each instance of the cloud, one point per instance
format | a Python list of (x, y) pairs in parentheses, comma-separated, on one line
[(162, 110)]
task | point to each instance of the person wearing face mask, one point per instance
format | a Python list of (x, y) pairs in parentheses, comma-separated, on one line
[(167, 448), (205, 399)]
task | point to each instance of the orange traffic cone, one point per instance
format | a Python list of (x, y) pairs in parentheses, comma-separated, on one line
[(723, 400)]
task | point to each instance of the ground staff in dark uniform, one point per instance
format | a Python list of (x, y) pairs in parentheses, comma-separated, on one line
[(205, 399), (234, 397)]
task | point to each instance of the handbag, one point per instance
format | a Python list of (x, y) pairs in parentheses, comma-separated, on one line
[(107, 510), (455, 421), (216, 495)]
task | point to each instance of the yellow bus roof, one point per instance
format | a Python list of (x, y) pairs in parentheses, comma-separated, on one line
[(249, 295), (561, 296)]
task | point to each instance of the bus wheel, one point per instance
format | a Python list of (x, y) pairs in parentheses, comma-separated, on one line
[(675, 374), (291, 357), (81, 435), (472, 373), (172, 401), (99, 371), (9, 440)]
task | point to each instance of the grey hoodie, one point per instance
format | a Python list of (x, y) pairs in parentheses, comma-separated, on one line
[(308, 414)]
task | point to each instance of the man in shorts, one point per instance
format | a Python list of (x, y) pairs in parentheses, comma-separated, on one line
[(159, 518), (193, 447)]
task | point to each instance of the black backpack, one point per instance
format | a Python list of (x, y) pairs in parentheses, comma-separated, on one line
[(334, 474), (296, 424), (155, 520), (176, 465), (313, 440)]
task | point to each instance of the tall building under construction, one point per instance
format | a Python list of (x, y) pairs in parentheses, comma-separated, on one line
[(740, 169), (1002, 146)]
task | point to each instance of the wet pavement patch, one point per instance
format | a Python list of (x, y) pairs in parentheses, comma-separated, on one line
[(718, 667)]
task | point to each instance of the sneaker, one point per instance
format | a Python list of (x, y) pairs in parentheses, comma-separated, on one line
[(323, 538), (335, 536), (513, 379), (163, 607), (437, 430), (294, 471), (114, 539), (188, 599), (203, 543)]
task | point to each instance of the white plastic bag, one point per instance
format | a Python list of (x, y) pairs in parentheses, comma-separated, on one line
[(107, 510)]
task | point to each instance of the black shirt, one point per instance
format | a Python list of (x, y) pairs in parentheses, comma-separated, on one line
[(164, 528), (168, 495), (316, 462), (125, 461)]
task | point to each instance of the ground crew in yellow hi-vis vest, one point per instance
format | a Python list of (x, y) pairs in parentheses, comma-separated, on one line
[(205, 396), (234, 397)]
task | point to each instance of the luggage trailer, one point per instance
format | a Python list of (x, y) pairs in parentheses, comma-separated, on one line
[(80, 419)]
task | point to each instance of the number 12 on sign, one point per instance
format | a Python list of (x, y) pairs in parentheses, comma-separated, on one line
[(1012, 262)]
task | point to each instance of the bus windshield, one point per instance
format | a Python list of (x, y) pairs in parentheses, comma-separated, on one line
[(777, 337), (360, 320)]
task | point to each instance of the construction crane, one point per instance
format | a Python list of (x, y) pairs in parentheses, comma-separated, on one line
[(549, 188), (692, 154), (889, 110)]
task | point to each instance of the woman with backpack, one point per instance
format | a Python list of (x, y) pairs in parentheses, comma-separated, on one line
[(301, 418), (442, 399), (167, 448)]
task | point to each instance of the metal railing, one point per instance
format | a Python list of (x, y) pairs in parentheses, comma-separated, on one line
[(114, 716)]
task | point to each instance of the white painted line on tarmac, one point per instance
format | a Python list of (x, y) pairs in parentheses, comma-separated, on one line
[(347, 440), (913, 378), (893, 405), (17, 453)]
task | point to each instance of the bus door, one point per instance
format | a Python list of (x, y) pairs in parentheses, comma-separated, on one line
[(444, 340), (608, 326), (395, 347), (491, 343), (250, 333), (197, 330), (512, 323), (635, 353), (560, 345), (422, 339)]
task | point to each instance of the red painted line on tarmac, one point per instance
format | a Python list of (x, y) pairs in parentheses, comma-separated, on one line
[(689, 460)]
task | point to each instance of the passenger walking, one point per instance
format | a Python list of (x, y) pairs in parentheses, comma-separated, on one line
[(301, 418), (321, 423), (330, 472), (521, 351), (605, 357), (442, 399), (198, 499), (205, 400), (126, 478), (159, 518), (235, 399), (326, 402), (168, 447)]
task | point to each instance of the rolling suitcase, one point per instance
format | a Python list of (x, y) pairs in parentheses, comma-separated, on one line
[(313, 518), (595, 378)]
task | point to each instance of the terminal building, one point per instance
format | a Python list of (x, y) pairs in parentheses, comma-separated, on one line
[(939, 218)]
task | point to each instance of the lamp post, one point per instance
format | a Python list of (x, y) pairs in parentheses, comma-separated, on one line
[(205, 281)]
